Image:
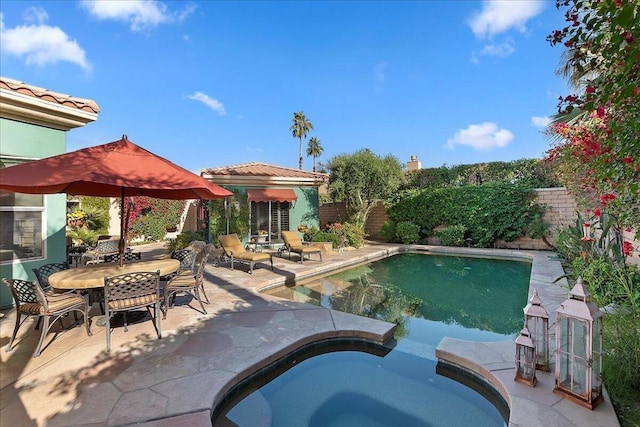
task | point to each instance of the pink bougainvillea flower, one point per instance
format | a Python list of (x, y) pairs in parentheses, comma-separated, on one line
[(627, 248), (591, 89), (627, 159), (597, 212), (600, 112)]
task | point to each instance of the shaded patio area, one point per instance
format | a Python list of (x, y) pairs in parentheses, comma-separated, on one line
[(179, 379)]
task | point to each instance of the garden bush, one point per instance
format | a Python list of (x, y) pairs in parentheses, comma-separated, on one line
[(182, 240), (488, 212), (407, 232), (453, 235)]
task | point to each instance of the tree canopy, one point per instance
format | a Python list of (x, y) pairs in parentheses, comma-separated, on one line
[(299, 129), (362, 179)]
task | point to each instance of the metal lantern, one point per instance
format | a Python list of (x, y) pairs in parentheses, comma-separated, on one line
[(579, 349), (536, 319), (525, 359)]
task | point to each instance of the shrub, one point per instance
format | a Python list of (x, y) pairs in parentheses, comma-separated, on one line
[(182, 240), (351, 234), (407, 232), (453, 235), (388, 232), (326, 236), (489, 212)]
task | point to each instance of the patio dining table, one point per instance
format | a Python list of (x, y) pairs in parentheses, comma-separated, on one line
[(92, 276)]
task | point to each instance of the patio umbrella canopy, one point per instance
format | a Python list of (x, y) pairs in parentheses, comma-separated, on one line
[(117, 169)]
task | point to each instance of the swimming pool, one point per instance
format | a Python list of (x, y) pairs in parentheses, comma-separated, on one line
[(428, 297)]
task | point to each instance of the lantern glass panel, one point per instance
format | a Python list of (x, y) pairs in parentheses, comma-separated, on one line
[(564, 359), (579, 377), (580, 330), (538, 328)]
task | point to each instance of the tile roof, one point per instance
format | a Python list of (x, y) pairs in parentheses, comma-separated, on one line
[(257, 169), (47, 95)]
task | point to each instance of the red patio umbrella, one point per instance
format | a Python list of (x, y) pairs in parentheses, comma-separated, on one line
[(117, 169)]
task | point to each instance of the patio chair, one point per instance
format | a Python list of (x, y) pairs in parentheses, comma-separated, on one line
[(293, 243), (127, 256), (234, 250), (31, 300), (132, 291), (187, 283), (42, 275), (103, 248)]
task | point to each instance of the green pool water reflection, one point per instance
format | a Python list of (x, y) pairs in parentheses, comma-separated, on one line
[(428, 297)]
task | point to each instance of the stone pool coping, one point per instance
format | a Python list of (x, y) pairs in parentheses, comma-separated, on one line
[(494, 362), (177, 381)]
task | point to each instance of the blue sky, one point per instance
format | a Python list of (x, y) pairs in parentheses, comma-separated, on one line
[(216, 83)]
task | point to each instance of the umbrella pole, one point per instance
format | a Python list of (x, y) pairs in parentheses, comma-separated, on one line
[(122, 229)]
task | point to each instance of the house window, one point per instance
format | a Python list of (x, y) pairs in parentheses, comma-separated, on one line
[(21, 223), (272, 217)]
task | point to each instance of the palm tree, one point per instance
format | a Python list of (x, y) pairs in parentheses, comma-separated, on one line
[(314, 149), (300, 128)]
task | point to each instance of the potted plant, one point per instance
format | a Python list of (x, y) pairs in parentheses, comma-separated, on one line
[(262, 236)]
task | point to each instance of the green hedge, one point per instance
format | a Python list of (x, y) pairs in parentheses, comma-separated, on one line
[(488, 212)]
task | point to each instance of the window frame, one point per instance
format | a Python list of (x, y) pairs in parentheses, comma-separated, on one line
[(43, 217)]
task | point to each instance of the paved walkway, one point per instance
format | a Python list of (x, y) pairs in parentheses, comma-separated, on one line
[(178, 380)]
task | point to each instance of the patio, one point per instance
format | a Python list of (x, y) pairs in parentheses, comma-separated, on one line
[(179, 379)]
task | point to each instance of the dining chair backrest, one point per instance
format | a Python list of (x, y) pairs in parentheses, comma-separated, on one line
[(187, 258), (23, 291), (130, 290), (44, 271), (28, 295), (203, 263), (107, 246), (127, 256)]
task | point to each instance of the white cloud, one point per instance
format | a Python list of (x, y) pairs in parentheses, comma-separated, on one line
[(140, 14), (501, 50), (484, 136), (540, 122), (499, 16), (212, 103), (41, 44)]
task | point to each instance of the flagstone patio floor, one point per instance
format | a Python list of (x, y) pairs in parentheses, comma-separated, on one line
[(179, 379)]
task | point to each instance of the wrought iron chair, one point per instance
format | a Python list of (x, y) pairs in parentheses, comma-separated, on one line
[(103, 248), (191, 284), (42, 275), (127, 256), (131, 291), (31, 300)]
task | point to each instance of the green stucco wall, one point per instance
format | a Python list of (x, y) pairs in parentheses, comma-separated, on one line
[(19, 139), (305, 210)]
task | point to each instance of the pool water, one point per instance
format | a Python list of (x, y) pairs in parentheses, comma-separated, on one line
[(428, 297)]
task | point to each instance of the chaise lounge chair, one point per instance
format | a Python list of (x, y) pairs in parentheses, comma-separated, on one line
[(233, 249), (293, 243)]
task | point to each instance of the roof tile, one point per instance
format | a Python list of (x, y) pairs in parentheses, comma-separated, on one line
[(47, 95), (263, 169)]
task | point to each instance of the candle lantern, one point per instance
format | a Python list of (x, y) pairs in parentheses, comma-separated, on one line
[(578, 373), (536, 320), (525, 359)]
